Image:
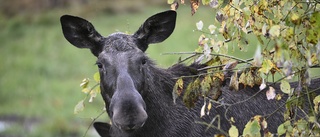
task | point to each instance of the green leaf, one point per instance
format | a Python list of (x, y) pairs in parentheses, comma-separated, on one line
[(302, 125), (192, 93), (224, 3), (252, 129), (205, 2), (96, 77), (275, 31), (206, 85), (313, 33), (255, 129), (285, 87), (281, 129), (170, 1), (233, 131), (312, 119), (79, 107)]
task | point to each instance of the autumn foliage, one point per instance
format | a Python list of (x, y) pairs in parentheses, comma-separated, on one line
[(288, 34)]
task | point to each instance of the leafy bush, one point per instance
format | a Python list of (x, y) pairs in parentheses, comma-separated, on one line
[(288, 35)]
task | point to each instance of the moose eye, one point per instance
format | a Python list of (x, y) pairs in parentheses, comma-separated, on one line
[(143, 61), (99, 65)]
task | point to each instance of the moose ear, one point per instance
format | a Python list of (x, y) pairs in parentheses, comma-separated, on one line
[(156, 29), (102, 129), (81, 33)]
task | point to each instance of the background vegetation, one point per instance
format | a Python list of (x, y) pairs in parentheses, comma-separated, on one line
[(288, 50)]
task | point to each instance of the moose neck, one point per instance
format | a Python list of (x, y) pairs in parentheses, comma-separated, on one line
[(158, 90), (161, 109)]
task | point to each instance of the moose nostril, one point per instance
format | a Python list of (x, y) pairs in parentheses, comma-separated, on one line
[(131, 126), (111, 113)]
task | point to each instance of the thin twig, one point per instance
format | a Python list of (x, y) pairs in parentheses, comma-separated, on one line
[(187, 58), (214, 54), (210, 67), (212, 126), (93, 120)]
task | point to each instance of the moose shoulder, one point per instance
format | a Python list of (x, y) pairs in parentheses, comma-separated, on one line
[(138, 95)]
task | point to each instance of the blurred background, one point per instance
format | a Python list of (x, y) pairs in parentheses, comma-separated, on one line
[(40, 71)]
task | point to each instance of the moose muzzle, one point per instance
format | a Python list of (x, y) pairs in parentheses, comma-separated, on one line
[(127, 109)]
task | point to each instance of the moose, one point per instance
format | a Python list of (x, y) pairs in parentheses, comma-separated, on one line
[(138, 94)]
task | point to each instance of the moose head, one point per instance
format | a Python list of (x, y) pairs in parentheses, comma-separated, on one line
[(122, 64)]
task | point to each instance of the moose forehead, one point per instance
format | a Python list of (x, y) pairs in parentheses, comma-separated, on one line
[(119, 48), (119, 42)]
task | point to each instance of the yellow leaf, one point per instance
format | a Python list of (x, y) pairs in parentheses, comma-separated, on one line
[(267, 65), (85, 90), (264, 124), (294, 17), (278, 97), (250, 79), (179, 85), (242, 79), (174, 6), (96, 77), (316, 102), (177, 89), (275, 31), (233, 131), (93, 94), (209, 107), (84, 83), (170, 1)]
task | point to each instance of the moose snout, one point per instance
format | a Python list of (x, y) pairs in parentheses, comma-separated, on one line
[(127, 108), (129, 116), (128, 111)]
